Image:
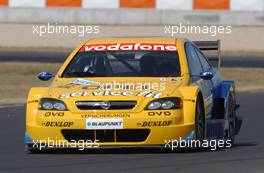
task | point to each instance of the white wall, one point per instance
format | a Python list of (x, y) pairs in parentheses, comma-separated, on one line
[(27, 3), (247, 5), (174, 4), (100, 4)]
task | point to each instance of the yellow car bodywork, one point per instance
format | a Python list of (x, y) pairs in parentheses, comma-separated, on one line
[(172, 125)]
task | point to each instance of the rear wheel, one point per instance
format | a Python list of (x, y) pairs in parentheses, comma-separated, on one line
[(230, 120)]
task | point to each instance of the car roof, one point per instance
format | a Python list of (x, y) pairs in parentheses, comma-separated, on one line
[(115, 40)]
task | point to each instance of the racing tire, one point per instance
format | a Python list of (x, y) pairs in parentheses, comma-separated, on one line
[(199, 121), (231, 119)]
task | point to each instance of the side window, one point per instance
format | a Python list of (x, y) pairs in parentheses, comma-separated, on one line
[(194, 64), (204, 62)]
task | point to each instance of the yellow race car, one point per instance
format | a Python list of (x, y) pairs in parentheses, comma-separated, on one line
[(133, 92)]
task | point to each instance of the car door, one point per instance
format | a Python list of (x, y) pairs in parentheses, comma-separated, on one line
[(195, 69)]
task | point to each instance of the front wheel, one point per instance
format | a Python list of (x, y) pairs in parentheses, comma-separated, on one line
[(199, 121)]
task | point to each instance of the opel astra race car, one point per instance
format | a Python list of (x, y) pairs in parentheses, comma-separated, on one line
[(133, 92)]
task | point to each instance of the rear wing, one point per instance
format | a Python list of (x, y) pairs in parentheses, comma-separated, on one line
[(209, 46)]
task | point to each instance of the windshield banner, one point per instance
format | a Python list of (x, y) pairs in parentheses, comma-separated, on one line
[(128, 47)]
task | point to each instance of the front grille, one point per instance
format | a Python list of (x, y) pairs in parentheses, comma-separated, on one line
[(120, 135), (105, 105)]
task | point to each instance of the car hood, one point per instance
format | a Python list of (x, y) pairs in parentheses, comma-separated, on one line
[(137, 89)]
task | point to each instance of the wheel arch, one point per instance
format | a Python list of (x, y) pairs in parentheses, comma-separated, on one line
[(34, 95), (189, 98), (220, 98)]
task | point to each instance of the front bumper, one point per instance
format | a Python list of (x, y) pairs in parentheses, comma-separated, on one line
[(133, 133)]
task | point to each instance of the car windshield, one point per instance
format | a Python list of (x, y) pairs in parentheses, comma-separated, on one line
[(124, 64)]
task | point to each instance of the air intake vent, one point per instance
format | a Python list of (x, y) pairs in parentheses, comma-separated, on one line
[(105, 105), (120, 135)]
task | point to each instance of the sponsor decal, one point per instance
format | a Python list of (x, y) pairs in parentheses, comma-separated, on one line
[(57, 124), (68, 86), (155, 123), (92, 87), (145, 94), (165, 113), (116, 123), (75, 83), (54, 114), (189, 100), (32, 101), (129, 47), (125, 86), (118, 115), (80, 81)]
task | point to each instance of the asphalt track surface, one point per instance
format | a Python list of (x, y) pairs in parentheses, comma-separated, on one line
[(247, 156), (227, 61)]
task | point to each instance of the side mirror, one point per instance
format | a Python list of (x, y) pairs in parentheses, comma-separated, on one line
[(206, 75), (45, 76)]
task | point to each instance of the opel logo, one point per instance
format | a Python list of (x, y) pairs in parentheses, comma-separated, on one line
[(105, 105)]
